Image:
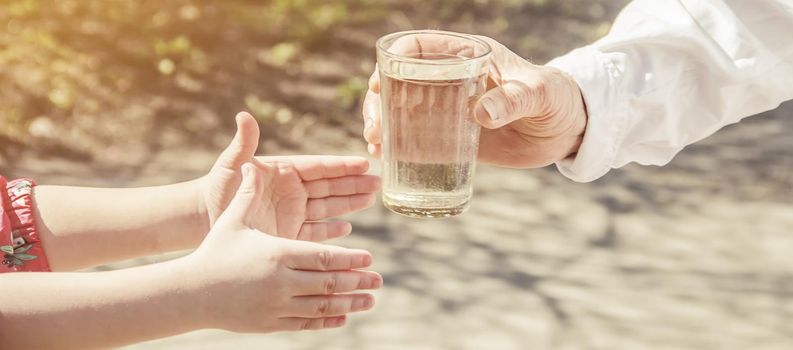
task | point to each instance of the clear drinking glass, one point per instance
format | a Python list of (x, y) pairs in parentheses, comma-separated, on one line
[(429, 84)]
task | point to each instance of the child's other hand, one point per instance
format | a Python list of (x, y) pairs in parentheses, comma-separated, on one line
[(304, 190), (254, 282)]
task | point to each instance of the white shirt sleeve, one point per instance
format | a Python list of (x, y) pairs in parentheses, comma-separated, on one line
[(672, 72)]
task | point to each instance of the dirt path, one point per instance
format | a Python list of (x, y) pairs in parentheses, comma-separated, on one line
[(695, 255)]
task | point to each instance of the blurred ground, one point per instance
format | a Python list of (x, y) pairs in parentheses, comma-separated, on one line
[(694, 255), (116, 82)]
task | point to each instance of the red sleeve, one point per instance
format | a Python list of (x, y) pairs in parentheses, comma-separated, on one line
[(19, 238)]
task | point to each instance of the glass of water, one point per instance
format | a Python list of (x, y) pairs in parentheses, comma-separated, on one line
[(430, 82)]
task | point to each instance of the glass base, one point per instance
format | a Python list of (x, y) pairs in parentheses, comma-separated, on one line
[(418, 212)]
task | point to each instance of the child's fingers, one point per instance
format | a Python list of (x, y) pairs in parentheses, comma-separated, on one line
[(322, 231), (305, 324), (323, 208), (319, 167), (318, 257), (327, 283), (342, 186), (248, 197), (329, 305)]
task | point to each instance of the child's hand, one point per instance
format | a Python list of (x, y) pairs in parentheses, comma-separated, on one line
[(254, 282), (304, 190)]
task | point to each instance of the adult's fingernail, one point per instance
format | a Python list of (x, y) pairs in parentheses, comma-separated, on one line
[(491, 107)]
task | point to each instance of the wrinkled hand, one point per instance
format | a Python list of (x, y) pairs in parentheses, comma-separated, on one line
[(533, 115), (249, 281), (304, 190)]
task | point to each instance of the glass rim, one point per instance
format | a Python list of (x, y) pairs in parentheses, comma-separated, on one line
[(395, 35)]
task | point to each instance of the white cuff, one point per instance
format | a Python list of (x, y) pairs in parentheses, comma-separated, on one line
[(597, 74)]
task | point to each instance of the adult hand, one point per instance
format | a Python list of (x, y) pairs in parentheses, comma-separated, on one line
[(304, 190), (250, 281), (532, 115)]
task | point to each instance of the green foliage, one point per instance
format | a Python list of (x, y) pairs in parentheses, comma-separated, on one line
[(94, 76), (177, 46), (282, 53), (351, 91)]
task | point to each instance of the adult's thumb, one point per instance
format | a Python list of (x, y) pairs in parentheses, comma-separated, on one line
[(507, 103)]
